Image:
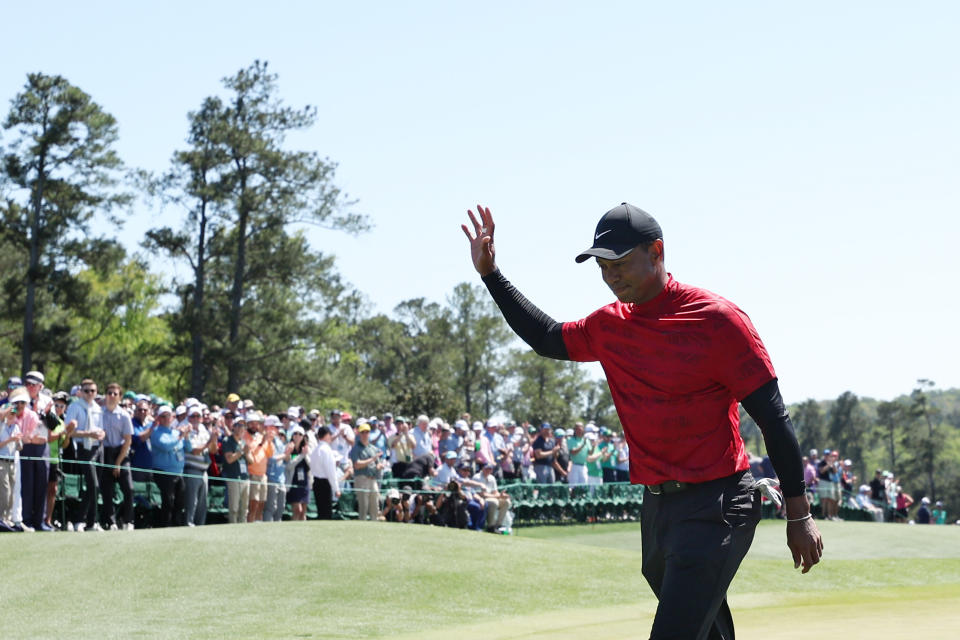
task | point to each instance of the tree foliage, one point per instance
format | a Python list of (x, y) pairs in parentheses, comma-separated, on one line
[(60, 170)]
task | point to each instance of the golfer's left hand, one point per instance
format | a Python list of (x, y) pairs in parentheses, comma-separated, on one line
[(805, 543)]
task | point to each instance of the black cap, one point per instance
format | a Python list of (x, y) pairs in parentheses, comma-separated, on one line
[(619, 231)]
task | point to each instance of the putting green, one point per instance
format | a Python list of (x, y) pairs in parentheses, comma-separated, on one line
[(365, 580)]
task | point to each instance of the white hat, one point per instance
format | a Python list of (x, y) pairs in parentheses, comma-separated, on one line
[(181, 410), (293, 412), (460, 424), (195, 410), (477, 425), (271, 421), (297, 429), (254, 416), (925, 500), (191, 402), (33, 376), (163, 410), (20, 394)]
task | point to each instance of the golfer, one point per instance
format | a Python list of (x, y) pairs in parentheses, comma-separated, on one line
[(677, 359)]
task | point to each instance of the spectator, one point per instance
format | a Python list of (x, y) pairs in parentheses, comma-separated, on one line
[(118, 436), (401, 449), (277, 469), (810, 474), (201, 444), (343, 435), (878, 489), (448, 470), (323, 467), (395, 509), (452, 506), (367, 464), (561, 462), (378, 438), (10, 445), (168, 445), (578, 447), (142, 458), (34, 469), (608, 459), (939, 513), (497, 502), (387, 425), (904, 502), (297, 473), (863, 501), (472, 489), (85, 418), (235, 470), (544, 452), (623, 459), (923, 513), (828, 485), (259, 449), (423, 444), (448, 441), (594, 465), (59, 439)]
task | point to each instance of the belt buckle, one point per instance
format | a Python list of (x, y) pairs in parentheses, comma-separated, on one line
[(655, 491)]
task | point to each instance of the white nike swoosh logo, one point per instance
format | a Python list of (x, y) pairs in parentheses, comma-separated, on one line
[(601, 233)]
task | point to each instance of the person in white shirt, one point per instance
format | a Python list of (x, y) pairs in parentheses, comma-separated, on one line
[(324, 472), (85, 416)]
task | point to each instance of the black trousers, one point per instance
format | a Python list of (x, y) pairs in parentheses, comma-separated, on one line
[(323, 498), (33, 483), (107, 482), (87, 460), (171, 498), (693, 543)]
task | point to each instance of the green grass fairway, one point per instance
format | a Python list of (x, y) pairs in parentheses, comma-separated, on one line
[(351, 579)]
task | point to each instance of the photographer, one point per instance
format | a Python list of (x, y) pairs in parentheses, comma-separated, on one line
[(452, 507), (396, 508)]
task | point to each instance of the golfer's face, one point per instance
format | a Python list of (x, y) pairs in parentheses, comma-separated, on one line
[(632, 278)]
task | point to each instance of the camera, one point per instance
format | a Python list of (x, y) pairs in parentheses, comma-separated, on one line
[(394, 501)]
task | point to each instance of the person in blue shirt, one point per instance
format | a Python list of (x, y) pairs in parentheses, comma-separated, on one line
[(141, 456), (168, 446)]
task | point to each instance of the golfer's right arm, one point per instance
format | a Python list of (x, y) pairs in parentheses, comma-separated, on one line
[(537, 329)]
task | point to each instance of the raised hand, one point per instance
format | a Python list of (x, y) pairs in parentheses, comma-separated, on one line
[(481, 241)]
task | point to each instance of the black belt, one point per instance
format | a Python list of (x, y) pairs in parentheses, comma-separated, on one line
[(670, 486)]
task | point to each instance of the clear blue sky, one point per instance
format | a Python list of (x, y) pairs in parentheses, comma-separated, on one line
[(802, 160)]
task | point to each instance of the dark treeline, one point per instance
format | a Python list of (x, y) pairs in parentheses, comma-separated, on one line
[(262, 313)]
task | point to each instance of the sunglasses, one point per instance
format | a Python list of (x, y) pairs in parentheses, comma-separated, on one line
[(89, 390), (113, 393)]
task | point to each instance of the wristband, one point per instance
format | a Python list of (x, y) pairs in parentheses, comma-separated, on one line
[(806, 517)]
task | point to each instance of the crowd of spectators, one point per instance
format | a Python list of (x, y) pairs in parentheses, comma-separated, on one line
[(832, 481), (440, 473), (444, 474)]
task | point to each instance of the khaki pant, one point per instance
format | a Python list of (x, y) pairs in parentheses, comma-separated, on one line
[(368, 497), (8, 480), (238, 499)]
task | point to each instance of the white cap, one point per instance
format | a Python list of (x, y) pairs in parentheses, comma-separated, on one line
[(190, 402), (164, 409), (194, 411), (293, 412), (460, 424), (271, 421), (181, 409), (254, 416)]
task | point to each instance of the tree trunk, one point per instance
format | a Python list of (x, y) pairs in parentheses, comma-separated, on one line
[(236, 293), (34, 266), (197, 371)]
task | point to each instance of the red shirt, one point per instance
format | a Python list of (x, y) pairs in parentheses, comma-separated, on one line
[(676, 366)]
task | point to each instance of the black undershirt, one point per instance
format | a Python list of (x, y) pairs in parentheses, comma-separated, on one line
[(765, 405)]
